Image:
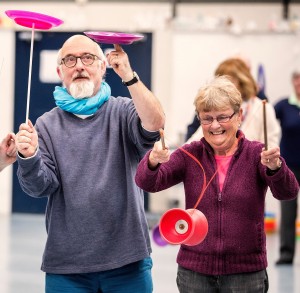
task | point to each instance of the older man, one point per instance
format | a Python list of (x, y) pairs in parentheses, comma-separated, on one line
[(83, 156)]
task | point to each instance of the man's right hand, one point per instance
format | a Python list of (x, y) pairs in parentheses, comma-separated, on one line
[(27, 140)]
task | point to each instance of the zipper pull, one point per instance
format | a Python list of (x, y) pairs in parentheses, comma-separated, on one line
[(220, 196)]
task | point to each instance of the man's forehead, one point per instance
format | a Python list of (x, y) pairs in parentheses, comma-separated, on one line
[(78, 45)]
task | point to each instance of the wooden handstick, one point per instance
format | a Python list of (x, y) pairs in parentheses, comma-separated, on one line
[(162, 138), (265, 124)]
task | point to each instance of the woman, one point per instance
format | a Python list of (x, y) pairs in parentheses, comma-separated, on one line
[(252, 118), (7, 151), (233, 254)]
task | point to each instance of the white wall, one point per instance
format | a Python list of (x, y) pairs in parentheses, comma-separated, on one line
[(196, 55), (185, 53), (6, 111)]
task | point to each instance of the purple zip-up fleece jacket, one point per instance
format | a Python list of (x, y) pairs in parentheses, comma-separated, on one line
[(235, 242)]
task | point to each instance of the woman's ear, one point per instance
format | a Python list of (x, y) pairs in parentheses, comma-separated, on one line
[(240, 115)]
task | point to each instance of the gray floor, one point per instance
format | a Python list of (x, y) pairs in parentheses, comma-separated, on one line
[(23, 238)]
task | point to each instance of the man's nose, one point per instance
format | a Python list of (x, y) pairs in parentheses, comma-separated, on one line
[(79, 63)]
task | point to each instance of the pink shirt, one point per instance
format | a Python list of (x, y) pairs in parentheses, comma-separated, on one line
[(222, 164)]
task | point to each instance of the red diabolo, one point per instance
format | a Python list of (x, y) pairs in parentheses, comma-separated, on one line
[(178, 226)]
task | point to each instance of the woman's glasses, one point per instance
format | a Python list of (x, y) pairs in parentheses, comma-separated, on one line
[(221, 119)]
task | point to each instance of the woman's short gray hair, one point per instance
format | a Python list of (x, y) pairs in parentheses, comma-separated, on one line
[(217, 95)]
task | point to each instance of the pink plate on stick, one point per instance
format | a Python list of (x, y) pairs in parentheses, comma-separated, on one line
[(114, 37), (33, 19)]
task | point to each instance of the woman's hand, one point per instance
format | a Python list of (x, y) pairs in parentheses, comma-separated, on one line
[(271, 158), (7, 151), (158, 155)]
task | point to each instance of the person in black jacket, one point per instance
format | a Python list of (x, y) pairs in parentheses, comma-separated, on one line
[(288, 113)]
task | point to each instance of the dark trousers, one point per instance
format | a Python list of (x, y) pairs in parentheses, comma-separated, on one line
[(193, 282), (288, 225)]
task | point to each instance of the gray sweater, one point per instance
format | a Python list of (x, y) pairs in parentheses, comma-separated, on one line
[(95, 216)]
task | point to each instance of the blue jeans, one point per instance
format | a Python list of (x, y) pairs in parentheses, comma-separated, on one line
[(192, 282), (135, 277)]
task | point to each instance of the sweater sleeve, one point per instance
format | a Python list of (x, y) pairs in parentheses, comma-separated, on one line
[(141, 138), (35, 178), (164, 176), (283, 184)]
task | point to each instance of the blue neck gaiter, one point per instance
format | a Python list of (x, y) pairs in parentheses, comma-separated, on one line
[(85, 106)]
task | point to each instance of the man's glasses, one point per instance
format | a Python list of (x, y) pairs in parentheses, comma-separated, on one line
[(221, 119), (86, 59)]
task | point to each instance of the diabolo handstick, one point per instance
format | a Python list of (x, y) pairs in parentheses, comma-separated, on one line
[(162, 138), (265, 124)]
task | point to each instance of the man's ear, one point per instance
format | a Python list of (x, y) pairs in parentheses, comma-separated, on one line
[(103, 67), (60, 74)]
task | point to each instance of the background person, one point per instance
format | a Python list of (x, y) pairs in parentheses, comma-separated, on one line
[(233, 255), (83, 155), (7, 151), (288, 113), (252, 118)]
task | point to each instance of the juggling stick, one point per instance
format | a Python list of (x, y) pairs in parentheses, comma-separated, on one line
[(29, 74), (265, 124), (34, 21), (162, 138)]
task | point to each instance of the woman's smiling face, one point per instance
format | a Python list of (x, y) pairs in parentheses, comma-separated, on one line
[(221, 135)]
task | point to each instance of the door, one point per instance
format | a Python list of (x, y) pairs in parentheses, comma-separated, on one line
[(43, 81)]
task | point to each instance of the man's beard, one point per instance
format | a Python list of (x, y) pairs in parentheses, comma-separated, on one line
[(82, 89)]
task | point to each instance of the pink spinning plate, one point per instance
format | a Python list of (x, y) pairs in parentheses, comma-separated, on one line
[(114, 38), (28, 19)]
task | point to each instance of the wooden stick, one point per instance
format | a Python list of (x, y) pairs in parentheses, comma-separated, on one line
[(162, 138), (265, 124)]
